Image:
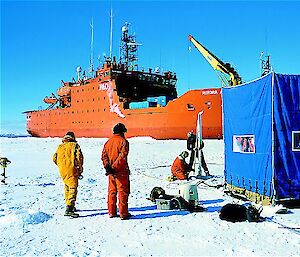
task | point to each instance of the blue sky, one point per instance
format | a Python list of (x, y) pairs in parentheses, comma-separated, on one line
[(42, 42)]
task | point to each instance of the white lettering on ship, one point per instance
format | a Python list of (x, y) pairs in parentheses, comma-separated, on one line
[(210, 92), (104, 86)]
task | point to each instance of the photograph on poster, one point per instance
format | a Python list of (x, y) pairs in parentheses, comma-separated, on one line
[(296, 140), (243, 144)]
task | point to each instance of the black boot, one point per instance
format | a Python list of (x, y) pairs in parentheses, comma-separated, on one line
[(70, 212)]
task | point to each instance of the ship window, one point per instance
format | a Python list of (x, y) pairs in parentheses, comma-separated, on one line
[(190, 107), (104, 109), (93, 99), (82, 90), (77, 90), (87, 111), (104, 98), (77, 101), (72, 112), (82, 100), (93, 110), (93, 88), (208, 104), (82, 111)]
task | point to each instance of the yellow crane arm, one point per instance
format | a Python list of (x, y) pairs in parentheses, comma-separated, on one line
[(217, 64)]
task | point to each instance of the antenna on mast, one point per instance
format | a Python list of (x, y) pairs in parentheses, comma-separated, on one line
[(128, 48), (111, 33), (92, 48), (265, 64)]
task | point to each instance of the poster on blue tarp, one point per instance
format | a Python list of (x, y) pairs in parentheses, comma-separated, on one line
[(243, 144), (295, 140)]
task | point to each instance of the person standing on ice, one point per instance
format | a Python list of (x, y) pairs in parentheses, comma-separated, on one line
[(180, 169), (69, 160), (114, 158)]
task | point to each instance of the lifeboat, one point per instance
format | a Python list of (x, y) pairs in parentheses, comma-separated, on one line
[(50, 100)]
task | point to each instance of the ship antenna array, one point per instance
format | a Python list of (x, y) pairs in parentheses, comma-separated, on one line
[(265, 64), (128, 48)]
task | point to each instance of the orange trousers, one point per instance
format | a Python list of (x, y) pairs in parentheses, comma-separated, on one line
[(118, 185)]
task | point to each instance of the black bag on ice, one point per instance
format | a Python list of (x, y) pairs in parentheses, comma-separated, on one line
[(237, 213)]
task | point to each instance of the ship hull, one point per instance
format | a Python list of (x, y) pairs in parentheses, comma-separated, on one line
[(91, 115)]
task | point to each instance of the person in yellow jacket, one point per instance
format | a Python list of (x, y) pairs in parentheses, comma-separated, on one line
[(69, 159)]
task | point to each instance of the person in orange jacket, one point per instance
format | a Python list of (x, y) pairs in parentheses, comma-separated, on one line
[(69, 160), (114, 158), (180, 169)]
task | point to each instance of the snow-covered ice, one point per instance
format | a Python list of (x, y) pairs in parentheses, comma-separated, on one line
[(32, 208)]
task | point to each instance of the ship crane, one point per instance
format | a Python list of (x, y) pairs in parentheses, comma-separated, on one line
[(223, 69)]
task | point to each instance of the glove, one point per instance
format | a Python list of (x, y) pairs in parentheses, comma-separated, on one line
[(109, 170)]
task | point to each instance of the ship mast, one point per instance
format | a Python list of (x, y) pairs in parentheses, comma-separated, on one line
[(91, 70), (111, 34), (128, 48)]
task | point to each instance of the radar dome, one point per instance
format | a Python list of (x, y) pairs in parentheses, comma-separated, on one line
[(78, 69)]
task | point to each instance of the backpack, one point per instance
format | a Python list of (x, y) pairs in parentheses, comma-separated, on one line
[(157, 193)]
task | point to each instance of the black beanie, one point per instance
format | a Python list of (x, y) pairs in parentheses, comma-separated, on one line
[(119, 129)]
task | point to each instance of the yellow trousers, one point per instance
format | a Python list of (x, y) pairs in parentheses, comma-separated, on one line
[(70, 195)]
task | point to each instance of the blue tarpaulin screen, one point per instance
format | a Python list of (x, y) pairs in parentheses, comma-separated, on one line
[(247, 112), (287, 123)]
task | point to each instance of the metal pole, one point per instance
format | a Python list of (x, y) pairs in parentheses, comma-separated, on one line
[(199, 142)]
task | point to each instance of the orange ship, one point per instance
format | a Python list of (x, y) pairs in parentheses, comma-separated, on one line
[(145, 101)]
